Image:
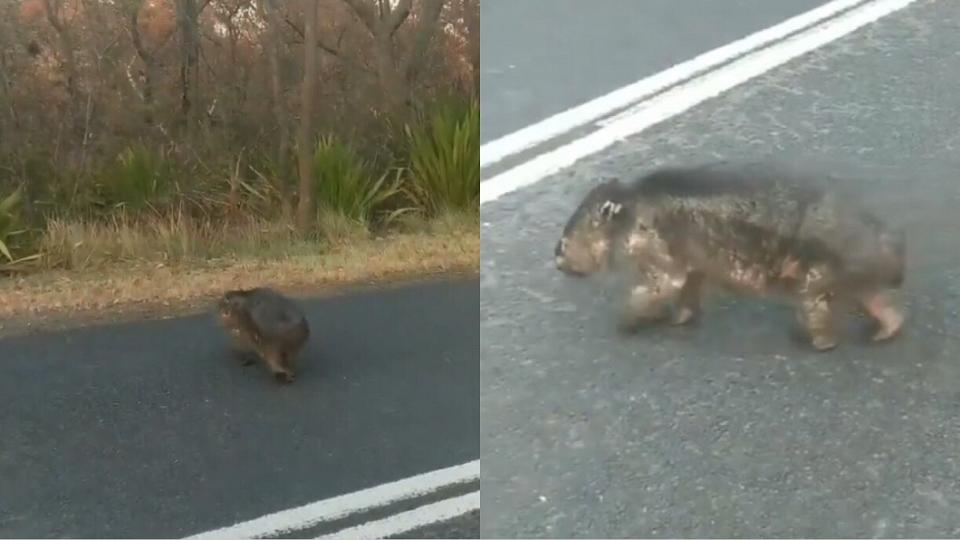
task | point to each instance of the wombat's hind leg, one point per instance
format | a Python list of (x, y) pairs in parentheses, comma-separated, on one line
[(816, 315), (881, 308), (688, 301), (244, 355), (275, 361)]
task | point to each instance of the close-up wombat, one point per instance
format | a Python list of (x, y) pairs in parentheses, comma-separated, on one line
[(267, 323), (756, 228)]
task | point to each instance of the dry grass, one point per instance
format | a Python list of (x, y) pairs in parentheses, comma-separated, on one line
[(176, 261)]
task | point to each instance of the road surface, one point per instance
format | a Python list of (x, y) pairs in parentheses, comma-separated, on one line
[(150, 429), (539, 57), (731, 428)]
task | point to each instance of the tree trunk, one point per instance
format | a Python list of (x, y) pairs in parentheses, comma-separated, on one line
[(472, 19), (392, 82), (305, 205), (67, 62), (188, 16), (274, 52), (148, 65), (429, 21), (382, 22)]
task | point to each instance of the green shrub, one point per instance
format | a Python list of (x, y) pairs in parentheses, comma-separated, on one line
[(344, 184), (444, 155), (268, 182), (139, 179)]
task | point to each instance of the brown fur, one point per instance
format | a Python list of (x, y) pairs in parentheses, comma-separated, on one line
[(266, 323), (751, 228)]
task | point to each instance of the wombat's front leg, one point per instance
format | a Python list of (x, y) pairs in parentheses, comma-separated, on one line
[(816, 315), (243, 349), (647, 301), (815, 312), (688, 301), (881, 307)]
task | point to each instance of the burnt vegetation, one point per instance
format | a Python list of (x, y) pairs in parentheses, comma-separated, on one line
[(207, 113)]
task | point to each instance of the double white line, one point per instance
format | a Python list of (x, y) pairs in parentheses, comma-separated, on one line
[(317, 514), (671, 92)]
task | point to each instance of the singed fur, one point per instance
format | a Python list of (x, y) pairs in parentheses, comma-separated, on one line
[(758, 227)]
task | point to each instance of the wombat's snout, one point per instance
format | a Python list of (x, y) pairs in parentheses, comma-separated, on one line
[(558, 253), (561, 261)]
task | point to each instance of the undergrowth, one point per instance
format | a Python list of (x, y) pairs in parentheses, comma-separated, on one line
[(149, 203)]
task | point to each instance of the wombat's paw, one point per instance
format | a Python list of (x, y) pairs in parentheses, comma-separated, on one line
[(889, 327), (885, 333), (284, 377), (682, 316), (823, 343)]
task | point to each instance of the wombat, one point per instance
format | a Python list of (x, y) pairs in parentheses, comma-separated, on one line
[(267, 323), (757, 228)]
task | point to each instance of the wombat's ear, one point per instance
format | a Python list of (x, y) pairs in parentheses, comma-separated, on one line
[(609, 209)]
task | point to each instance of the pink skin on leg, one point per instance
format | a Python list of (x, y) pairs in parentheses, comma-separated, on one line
[(881, 308)]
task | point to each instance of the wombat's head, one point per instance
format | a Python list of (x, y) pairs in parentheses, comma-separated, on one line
[(231, 305), (584, 247)]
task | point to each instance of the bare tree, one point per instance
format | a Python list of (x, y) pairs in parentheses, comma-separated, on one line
[(146, 56), (471, 20), (274, 50), (382, 22), (188, 15), (305, 204), (58, 21), (78, 79)]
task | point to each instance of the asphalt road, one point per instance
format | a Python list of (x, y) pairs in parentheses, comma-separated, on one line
[(151, 429), (465, 526), (731, 428), (540, 57)]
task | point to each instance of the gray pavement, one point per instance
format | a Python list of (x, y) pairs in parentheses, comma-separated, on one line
[(732, 428), (540, 57), (151, 429), (465, 526)]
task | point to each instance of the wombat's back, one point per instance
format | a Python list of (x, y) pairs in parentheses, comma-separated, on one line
[(274, 315), (737, 201)]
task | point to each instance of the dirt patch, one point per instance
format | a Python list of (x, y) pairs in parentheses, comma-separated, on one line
[(53, 300)]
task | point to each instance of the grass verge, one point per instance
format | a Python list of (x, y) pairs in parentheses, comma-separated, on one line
[(177, 264)]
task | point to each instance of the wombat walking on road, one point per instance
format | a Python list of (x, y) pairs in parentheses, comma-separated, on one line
[(756, 228), (267, 323)]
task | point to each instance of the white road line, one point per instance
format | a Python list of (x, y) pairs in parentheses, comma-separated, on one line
[(585, 113), (686, 96), (312, 514), (414, 519)]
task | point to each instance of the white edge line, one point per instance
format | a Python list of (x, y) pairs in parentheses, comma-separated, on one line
[(413, 519), (584, 113), (337, 507), (684, 97)]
